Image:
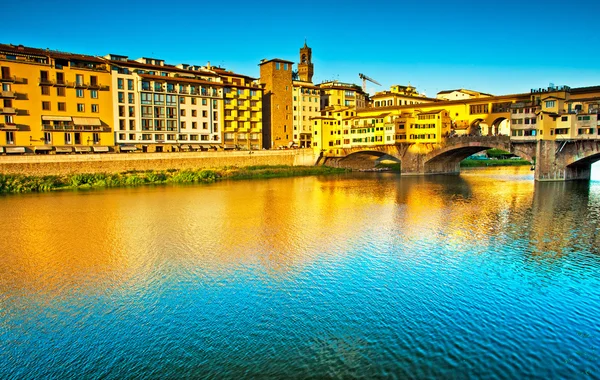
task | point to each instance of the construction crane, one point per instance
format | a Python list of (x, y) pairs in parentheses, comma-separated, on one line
[(365, 79)]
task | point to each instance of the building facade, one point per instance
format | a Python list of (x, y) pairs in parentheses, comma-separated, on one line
[(276, 79), (54, 102), (163, 108)]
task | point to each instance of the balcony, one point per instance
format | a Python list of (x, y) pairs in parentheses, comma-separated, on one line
[(90, 66), (7, 94), (231, 95), (46, 82), (183, 91), (8, 111), (172, 90)]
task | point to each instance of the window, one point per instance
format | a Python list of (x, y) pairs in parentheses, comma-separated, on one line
[(277, 66), (121, 97), (204, 113), (45, 90), (204, 102), (46, 106), (47, 138), (120, 83), (95, 108), (79, 79), (181, 112), (194, 112), (130, 98), (79, 93), (130, 84), (68, 140), (60, 91), (131, 125), (62, 106), (94, 94), (181, 100), (550, 103), (131, 111), (10, 137), (182, 125), (96, 137), (80, 107), (121, 124), (194, 125), (564, 118)]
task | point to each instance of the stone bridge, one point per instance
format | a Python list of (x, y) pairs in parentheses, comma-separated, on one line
[(555, 160)]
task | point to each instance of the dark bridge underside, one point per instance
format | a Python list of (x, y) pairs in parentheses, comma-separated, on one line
[(449, 162), (365, 159)]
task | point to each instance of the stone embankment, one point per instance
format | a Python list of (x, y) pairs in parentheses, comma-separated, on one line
[(41, 165)]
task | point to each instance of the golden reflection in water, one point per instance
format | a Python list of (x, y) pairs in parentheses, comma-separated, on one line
[(132, 235)]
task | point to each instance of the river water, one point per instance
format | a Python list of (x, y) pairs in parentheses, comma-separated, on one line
[(483, 275)]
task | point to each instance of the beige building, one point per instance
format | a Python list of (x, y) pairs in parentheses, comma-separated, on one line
[(160, 107), (399, 96), (460, 94)]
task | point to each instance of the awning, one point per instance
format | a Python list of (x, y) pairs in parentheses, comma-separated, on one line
[(57, 118), (185, 147), (8, 127), (100, 149), (127, 148), (83, 149), (1, 149), (87, 121), (64, 149), (195, 146), (44, 148), (15, 149), (229, 146)]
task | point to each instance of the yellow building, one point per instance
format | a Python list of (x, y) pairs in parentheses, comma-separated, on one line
[(242, 110), (557, 113), (54, 102)]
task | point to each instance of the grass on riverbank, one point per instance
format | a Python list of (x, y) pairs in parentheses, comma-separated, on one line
[(484, 163), (25, 184)]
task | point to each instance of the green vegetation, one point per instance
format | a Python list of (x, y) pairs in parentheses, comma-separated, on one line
[(25, 184), (499, 154), (483, 163)]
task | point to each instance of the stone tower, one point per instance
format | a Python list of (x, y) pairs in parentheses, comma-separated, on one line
[(305, 66)]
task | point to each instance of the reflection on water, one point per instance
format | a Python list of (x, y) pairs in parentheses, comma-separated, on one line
[(369, 274)]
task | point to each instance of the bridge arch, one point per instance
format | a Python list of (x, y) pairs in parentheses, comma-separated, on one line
[(365, 159), (448, 158)]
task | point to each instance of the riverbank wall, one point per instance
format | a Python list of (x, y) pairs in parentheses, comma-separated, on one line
[(40, 165)]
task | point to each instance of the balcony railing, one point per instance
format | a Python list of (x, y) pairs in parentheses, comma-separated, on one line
[(8, 111), (46, 81), (7, 94)]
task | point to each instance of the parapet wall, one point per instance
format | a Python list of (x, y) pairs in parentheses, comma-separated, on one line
[(122, 162)]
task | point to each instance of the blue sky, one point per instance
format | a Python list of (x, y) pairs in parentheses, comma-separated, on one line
[(502, 48)]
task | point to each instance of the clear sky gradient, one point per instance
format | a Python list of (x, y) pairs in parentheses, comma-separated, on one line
[(496, 47)]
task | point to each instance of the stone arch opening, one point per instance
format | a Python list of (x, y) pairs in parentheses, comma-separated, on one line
[(367, 159), (500, 127), (478, 128)]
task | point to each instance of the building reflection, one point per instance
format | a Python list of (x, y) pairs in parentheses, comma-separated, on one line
[(140, 238)]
